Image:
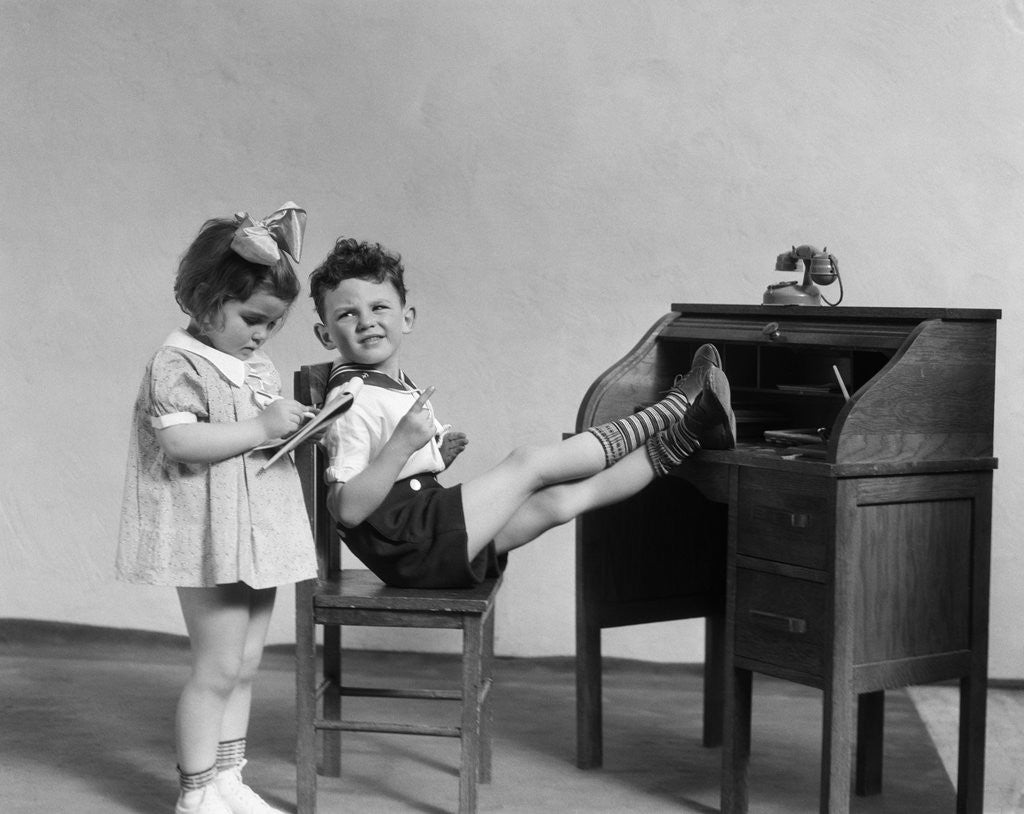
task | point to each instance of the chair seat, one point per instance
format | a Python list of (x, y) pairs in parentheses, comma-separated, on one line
[(357, 597), (359, 588)]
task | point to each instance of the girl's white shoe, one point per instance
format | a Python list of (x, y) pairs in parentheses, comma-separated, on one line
[(240, 799), (206, 800)]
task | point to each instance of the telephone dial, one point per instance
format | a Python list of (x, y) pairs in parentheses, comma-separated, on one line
[(820, 268)]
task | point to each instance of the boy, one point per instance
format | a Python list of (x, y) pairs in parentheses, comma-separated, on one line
[(385, 452)]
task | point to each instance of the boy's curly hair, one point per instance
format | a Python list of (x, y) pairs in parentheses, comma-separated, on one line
[(350, 259)]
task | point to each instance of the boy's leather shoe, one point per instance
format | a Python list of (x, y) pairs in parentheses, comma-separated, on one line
[(711, 418), (693, 381)]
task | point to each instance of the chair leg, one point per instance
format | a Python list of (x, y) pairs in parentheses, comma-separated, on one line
[(472, 671), (487, 711), (305, 706), (331, 766)]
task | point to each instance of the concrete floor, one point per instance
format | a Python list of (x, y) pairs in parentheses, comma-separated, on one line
[(938, 706), (86, 727)]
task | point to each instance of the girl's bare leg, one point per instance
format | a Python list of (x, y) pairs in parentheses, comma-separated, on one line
[(220, 626), (236, 713), (561, 503)]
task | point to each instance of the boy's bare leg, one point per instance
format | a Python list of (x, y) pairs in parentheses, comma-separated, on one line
[(490, 500), (561, 503), (664, 433)]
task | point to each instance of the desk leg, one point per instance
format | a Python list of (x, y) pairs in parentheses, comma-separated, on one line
[(837, 732), (588, 692), (970, 782), (714, 678), (736, 746), (870, 739)]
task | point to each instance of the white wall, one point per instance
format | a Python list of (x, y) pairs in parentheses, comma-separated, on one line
[(555, 174)]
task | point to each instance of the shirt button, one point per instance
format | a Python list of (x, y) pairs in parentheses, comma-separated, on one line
[(415, 485)]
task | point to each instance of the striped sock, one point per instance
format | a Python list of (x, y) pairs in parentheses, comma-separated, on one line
[(670, 448), (709, 423), (230, 754), (193, 782), (620, 437)]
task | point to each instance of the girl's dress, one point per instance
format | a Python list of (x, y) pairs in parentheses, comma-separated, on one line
[(200, 525)]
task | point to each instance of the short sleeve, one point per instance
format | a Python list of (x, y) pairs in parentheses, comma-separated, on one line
[(177, 394), (349, 443)]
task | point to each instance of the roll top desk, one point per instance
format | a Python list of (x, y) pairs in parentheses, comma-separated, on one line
[(856, 563)]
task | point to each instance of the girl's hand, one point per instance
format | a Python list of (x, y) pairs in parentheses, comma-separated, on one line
[(203, 442), (417, 426), (282, 417), (452, 445)]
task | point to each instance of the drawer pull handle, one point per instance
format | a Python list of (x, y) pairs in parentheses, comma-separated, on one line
[(776, 621), (777, 516), (800, 521)]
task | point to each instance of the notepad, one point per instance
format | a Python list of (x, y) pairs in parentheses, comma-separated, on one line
[(331, 410)]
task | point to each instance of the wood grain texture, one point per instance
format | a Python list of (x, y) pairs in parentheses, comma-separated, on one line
[(933, 400)]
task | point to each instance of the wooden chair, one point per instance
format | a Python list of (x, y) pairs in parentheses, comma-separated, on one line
[(356, 597)]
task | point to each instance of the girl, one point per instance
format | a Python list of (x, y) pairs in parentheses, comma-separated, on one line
[(194, 514), (385, 451)]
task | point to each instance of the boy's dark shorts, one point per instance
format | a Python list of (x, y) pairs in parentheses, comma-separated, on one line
[(417, 539)]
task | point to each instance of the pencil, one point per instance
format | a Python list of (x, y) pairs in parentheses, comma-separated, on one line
[(842, 384)]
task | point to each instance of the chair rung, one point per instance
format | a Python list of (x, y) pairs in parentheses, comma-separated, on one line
[(321, 688), (374, 692), (394, 729)]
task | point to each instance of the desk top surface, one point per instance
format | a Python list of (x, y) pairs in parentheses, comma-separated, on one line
[(837, 313)]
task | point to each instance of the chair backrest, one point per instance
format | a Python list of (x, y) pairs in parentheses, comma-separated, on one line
[(310, 388), (311, 383)]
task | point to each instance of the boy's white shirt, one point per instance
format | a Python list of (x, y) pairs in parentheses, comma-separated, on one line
[(359, 434)]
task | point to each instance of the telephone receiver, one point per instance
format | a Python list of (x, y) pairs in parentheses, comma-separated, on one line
[(819, 267)]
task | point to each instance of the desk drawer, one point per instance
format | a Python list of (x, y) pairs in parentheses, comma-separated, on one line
[(781, 620), (784, 518)]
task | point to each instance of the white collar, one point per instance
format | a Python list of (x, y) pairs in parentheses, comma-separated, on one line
[(233, 369)]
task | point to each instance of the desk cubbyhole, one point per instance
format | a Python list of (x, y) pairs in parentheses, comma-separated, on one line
[(781, 386)]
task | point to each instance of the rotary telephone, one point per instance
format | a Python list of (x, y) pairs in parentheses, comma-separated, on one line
[(819, 267)]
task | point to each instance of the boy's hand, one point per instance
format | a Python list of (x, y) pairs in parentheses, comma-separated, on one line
[(452, 445), (417, 426)]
